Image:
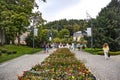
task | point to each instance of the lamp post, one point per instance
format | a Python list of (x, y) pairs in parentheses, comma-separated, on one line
[(35, 19), (89, 17), (33, 33), (91, 36)]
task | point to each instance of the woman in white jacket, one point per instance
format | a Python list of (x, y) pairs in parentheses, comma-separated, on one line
[(106, 50)]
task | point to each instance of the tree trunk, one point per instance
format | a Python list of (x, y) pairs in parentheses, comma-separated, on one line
[(2, 37), (18, 39)]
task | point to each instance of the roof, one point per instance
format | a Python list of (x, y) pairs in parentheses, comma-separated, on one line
[(77, 34)]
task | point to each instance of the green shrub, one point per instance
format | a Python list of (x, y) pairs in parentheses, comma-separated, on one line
[(0, 53), (98, 51), (115, 53), (111, 53), (14, 52), (9, 52), (3, 50)]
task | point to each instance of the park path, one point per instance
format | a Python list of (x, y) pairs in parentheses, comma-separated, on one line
[(101, 68), (10, 69)]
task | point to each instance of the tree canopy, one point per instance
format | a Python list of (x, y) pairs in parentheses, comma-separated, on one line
[(107, 26), (15, 17)]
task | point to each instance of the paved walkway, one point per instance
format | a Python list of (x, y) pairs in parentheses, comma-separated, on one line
[(101, 68), (9, 70)]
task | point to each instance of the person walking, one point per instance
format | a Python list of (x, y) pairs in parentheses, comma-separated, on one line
[(106, 50), (44, 47)]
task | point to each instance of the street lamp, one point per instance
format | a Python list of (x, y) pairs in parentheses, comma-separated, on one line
[(35, 20), (90, 29)]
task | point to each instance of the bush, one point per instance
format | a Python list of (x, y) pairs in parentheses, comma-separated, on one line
[(3, 50), (14, 52), (9, 52), (98, 51), (111, 53), (0, 53), (17, 51)]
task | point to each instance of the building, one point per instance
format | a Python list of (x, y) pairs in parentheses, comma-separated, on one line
[(22, 38), (77, 35)]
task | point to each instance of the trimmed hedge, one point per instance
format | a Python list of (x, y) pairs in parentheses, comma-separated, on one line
[(111, 53), (0, 53), (3, 51), (98, 51)]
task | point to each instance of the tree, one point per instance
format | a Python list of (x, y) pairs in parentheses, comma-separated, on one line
[(64, 33), (57, 40), (20, 21), (15, 15), (54, 33), (5, 19), (45, 34), (70, 28), (76, 28), (108, 26)]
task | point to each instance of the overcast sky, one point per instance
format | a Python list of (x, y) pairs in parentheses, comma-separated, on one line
[(71, 9)]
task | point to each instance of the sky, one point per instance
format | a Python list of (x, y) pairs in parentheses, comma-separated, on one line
[(70, 9)]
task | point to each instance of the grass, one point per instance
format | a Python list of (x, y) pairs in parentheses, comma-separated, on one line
[(98, 51), (21, 50)]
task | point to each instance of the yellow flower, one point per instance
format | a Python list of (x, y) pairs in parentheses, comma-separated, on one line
[(52, 79), (73, 77)]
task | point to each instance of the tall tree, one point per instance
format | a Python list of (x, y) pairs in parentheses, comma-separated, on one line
[(108, 25), (5, 19), (15, 15)]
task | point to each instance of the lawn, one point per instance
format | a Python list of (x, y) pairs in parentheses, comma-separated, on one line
[(9, 52), (98, 51)]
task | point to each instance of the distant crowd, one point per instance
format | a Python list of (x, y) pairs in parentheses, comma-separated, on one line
[(71, 46)]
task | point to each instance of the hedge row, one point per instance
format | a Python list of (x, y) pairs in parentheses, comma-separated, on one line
[(111, 53), (5, 51), (98, 51)]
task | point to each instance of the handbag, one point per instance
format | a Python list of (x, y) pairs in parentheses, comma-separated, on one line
[(108, 54)]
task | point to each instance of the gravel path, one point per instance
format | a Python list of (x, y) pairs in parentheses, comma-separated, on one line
[(101, 68), (9, 70)]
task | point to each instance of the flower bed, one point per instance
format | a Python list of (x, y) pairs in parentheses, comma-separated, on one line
[(61, 65)]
